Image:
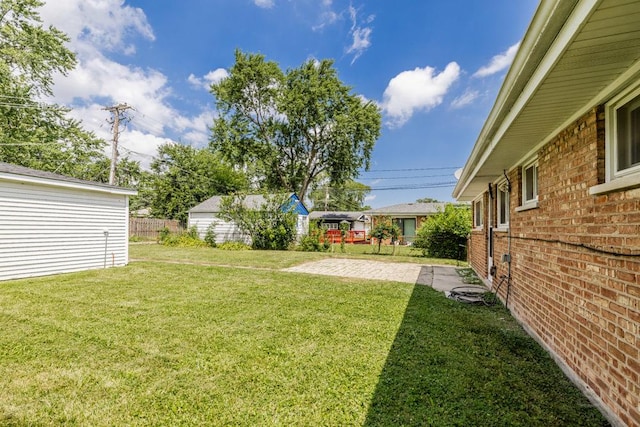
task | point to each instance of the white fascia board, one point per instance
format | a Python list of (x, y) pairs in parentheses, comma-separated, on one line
[(541, 18), (67, 184), (568, 32)]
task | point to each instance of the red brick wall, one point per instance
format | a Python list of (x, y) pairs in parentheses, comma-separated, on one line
[(572, 283), (477, 252)]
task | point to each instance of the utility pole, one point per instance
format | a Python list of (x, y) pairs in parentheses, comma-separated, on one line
[(117, 112), (326, 197)]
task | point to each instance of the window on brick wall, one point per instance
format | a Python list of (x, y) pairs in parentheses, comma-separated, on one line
[(623, 134), (530, 184), (477, 213), (503, 204)]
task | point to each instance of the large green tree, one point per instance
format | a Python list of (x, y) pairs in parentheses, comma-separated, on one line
[(128, 172), (34, 133), (347, 197), (183, 176), (289, 129)]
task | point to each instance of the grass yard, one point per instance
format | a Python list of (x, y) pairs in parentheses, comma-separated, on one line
[(159, 343), (277, 259)]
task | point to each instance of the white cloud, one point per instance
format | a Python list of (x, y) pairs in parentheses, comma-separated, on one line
[(196, 129), (141, 146), (97, 28), (420, 89), (498, 62), (361, 41), (104, 23), (361, 35), (327, 18), (465, 99), (208, 79), (265, 4)]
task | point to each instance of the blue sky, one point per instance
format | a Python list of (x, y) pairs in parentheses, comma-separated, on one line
[(433, 67)]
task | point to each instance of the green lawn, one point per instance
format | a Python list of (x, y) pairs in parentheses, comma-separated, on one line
[(159, 343), (277, 259)]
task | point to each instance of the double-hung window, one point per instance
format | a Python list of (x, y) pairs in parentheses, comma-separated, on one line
[(622, 130), (477, 214), (623, 135), (530, 184), (503, 204)]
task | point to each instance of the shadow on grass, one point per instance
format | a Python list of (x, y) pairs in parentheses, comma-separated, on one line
[(459, 365)]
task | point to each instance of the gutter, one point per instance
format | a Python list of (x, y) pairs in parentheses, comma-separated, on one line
[(97, 187), (535, 50)]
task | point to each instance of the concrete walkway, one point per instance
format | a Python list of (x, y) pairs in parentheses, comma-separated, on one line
[(440, 277)]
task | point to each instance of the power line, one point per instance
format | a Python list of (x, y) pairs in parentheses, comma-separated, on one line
[(407, 177), (412, 169), (407, 187), (416, 187)]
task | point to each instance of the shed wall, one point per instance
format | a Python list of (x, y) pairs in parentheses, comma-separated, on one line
[(47, 230), (229, 232), (225, 231)]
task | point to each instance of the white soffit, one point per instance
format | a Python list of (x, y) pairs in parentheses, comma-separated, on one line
[(598, 43)]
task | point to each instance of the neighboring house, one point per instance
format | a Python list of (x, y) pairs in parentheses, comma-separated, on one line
[(407, 216), (207, 213), (52, 224), (358, 221), (359, 224), (554, 178)]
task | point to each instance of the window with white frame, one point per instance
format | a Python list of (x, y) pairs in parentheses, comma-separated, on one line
[(530, 183), (477, 213), (623, 134), (503, 204)]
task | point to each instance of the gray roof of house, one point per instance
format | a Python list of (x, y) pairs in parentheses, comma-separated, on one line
[(35, 173), (337, 215), (212, 204), (408, 209)]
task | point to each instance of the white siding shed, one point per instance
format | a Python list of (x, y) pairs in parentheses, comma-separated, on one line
[(207, 213), (53, 224)]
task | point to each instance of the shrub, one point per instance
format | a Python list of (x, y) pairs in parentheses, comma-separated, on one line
[(316, 240), (163, 234), (210, 235), (188, 238), (385, 229), (234, 246), (444, 235), (344, 230), (271, 226)]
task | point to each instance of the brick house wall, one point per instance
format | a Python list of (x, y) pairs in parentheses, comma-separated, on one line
[(478, 241), (575, 266)]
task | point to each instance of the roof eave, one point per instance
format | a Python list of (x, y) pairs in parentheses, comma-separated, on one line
[(67, 184), (546, 38)]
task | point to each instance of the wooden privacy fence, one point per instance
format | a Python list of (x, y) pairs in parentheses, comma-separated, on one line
[(149, 228)]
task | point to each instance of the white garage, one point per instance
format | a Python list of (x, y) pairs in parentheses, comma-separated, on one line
[(53, 224), (208, 213)]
